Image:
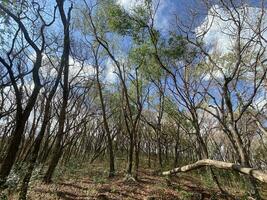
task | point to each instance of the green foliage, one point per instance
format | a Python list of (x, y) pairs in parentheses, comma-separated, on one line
[(118, 19), (178, 115), (73, 166), (143, 55), (176, 47), (99, 179), (246, 196), (186, 195), (114, 100), (6, 3), (208, 180), (126, 23)]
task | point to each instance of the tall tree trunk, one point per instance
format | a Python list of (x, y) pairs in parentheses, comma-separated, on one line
[(12, 149), (38, 141), (33, 157), (106, 125), (149, 154), (159, 152), (21, 119), (137, 153), (62, 116), (22, 115), (130, 155)]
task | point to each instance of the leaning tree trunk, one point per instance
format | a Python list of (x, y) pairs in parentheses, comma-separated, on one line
[(38, 141), (149, 155), (12, 150), (22, 115), (254, 173), (21, 119), (62, 116)]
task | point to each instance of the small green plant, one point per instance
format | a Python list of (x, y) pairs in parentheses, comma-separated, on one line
[(113, 189), (99, 179), (208, 181), (185, 195), (178, 187)]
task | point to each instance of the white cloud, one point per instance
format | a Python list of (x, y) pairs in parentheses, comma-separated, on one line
[(77, 69), (110, 75), (80, 69), (219, 34), (217, 74), (260, 102), (220, 31), (130, 4)]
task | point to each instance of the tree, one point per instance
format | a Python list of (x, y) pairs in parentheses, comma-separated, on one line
[(22, 111), (65, 18)]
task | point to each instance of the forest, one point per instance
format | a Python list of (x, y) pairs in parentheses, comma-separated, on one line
[(133, 99)]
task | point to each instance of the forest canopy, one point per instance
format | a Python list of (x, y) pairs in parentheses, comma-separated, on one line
[(134, 87)]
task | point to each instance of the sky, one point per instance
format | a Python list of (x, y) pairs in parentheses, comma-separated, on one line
[(219, 37), (168, 9)]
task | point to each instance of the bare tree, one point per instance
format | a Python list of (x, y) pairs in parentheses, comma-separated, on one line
[(23, 110)]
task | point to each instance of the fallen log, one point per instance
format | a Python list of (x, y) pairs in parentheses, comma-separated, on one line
[(255, 173)]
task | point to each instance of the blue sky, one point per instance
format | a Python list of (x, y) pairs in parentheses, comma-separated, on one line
[(170, 8)]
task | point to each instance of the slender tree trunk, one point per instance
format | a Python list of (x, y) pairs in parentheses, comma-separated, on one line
[(166, 152), (106, 125), (53, 164), (38, 141), (137, 152), (111, 158), (149, 155), (32, 161), (12, 150), (176, 154), (130, 155), (22, 115), (159, 152), (62, 116), (205, 154)]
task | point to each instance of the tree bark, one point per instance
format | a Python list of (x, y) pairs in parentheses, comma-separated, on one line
[(257, 174), (62, 116), (106, 125), (22, 115)]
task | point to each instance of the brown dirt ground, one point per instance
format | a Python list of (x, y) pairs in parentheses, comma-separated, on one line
[(148, 187), (91, 183)]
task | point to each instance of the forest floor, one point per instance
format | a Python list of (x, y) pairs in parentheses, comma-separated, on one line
[(81, 185)]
